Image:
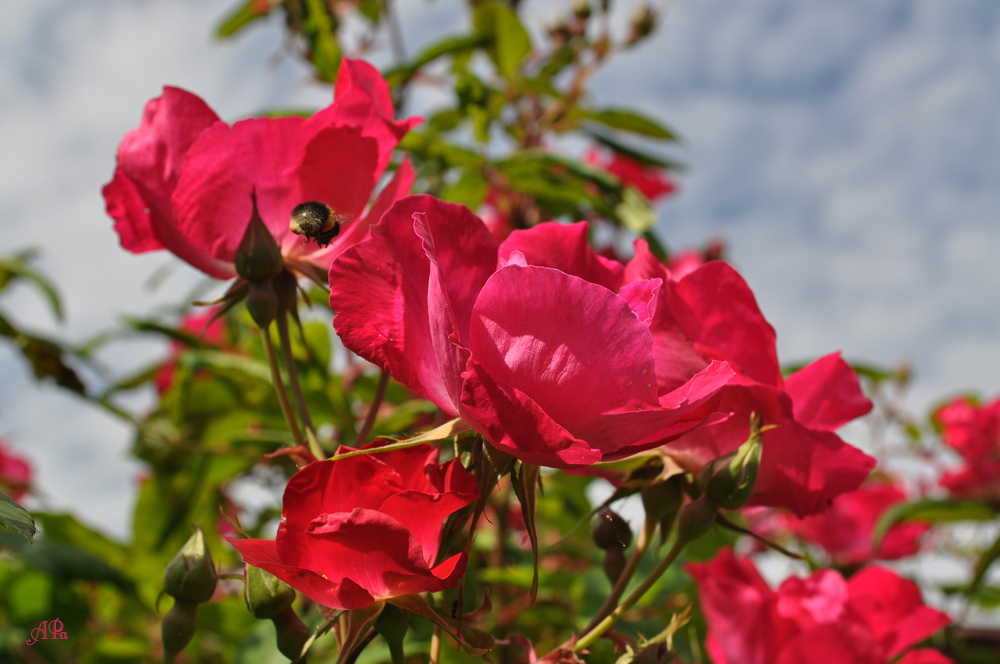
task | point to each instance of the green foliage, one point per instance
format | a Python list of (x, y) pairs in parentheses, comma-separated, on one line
[(16, 518)]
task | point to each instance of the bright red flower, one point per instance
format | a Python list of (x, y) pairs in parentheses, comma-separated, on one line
[(195, 323), (654, 183), (184, 178), (974, 431), (845, 530), (710, 314), (357, 530), (15, 472), (872, 618), (551, 363)]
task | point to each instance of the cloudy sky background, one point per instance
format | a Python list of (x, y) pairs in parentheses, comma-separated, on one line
[(847, 149)]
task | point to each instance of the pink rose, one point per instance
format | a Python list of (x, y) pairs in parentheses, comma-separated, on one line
[(184, 178), (552, 364), (974, 432), (871, 618), (845, 530), (15, 472), (710, 314)]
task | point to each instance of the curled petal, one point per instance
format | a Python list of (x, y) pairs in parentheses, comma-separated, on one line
[(826, 394), (386, 302)]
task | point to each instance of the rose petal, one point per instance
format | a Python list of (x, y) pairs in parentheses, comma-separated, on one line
[(894, 609), (380, 290), (717, 310), (565, 247), (826, 394), (339, 594)]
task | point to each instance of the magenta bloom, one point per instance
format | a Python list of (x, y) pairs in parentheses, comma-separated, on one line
[(184, 178), (845, 530), (654, 183), (872, 618), (15, 472), (551, 363), (710, 314), (974, 432), (357, 530)]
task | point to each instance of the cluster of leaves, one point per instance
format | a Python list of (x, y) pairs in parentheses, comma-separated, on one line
[(511, 100)]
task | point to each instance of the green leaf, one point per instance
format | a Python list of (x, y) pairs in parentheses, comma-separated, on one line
[(931, 510), (639, 156), (510, 44), (525, 483), (320, 29), (447, 46), (629, 121), (247, 13), (982, 566), (446, 430), (469, 190), (16, 518), (473, 641), (635, 212), (16, 267), (354, 625)]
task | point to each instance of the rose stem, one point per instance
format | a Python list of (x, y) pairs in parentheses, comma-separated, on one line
[(606, 624), (293, 378), (641, 545), (366, 428), (435, 653), (279, 387)]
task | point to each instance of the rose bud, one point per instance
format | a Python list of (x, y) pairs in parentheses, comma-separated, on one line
[(611, 531), (191, 574)]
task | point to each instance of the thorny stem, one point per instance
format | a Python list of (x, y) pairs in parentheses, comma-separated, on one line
[(366, 428), (279, 388), (293, 378), (593, 634), (641, 545)]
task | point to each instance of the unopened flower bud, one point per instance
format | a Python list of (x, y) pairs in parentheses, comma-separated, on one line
[(287, 289), (262, 303), (292, 634), (611, 531), (191, 574), (581, 9), (663, 499), (266, 595), (731, 478), (178, 628), (643, 22), (614, 563), (696, 519), (258, 257)]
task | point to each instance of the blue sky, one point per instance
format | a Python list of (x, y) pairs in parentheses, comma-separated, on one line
[(849, 150)]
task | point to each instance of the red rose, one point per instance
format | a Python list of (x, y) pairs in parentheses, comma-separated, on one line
[(845, 530), (710, 314), (554, 366), (357, 530), (974, 431), (15, 472), (184, 178), (872, 618), (653, 182)]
